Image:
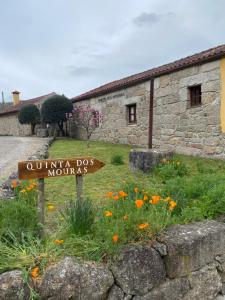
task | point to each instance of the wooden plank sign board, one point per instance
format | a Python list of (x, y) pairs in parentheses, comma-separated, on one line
[(32, 169)]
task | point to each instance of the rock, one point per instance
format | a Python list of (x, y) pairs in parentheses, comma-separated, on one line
[(146, 159), (12, 286), (191, 246), (161, 248), (174, 289), (72, 279), (138, 269), (115, 293), (205, 284)]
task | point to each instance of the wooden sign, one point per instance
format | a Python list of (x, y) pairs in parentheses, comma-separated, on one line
[(41, 169), (32, 169)]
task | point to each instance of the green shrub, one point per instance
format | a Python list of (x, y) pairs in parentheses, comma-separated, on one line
[(80, 216), (117, 159), (168, 169), (18, 217), (204, 195)]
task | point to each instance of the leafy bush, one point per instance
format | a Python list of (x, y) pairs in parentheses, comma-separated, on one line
[(117, 160), (29, 114), (202, 195), (55, 110), (80, 216), (168, 169)]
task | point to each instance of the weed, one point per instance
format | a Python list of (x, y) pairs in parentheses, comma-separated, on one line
[(117, 160), (80, 216)]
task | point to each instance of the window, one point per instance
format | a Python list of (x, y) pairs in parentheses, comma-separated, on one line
[(131, 113), (195, 95)]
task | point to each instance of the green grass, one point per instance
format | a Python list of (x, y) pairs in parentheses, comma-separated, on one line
[(197, 185), (110, 177)]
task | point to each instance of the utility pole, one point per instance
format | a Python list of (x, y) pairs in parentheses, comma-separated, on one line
[(3, 100)]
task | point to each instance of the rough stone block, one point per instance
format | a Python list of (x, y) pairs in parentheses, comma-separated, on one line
[(116, 293), (12, 286), (205, 284), (138, 269), (190, 247), (146, 159), (170, 290), (72, 279)]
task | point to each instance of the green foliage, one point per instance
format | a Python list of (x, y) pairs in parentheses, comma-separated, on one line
[(80, 216), (204, 196), (168, 169), (26, 252), (55, 110), (117, 159), (17, 217), (29, 114)]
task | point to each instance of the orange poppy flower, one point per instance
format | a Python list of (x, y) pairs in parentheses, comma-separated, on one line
[(143, 226), (122, 194), (115, 238), (172, 205), (155, 199), (136, 190), (116, 197), (58, 242), (108, 213), (145, 198), (109, 194), (14, 184), (125, 217), (35, 272), (139, 203), (167, 199)]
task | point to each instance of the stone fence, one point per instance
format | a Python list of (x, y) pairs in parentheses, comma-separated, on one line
[(186, 262)]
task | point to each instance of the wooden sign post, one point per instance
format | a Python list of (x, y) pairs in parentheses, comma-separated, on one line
[(40, 169)]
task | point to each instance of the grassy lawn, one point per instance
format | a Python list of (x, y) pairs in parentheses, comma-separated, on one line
[(110, 177), (182, 190)]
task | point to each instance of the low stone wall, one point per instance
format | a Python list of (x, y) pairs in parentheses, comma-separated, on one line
[(186, 262), (146, 159)]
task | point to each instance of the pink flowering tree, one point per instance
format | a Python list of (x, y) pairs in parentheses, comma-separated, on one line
[(87, 118)]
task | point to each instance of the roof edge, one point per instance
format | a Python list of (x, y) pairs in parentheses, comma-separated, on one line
[(183, 63)]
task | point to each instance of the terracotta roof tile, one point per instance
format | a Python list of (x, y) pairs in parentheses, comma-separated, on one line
[(16, 108), (204, 56)]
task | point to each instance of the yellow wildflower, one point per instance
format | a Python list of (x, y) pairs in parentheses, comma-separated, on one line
[(108, 213)]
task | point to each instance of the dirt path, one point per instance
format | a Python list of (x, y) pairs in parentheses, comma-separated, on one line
[(14, 149)]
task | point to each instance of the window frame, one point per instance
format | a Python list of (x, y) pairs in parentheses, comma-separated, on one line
[(195, 95), (131, 116)]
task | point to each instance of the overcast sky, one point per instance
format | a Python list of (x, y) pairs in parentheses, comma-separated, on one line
[(72, 46)]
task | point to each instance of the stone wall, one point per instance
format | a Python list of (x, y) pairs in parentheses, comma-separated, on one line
[(189, 130), (115, 127), (9, 125), (176, 125), (186, 262)]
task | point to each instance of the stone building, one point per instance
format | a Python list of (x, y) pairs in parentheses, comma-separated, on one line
[(178, 106), (9, 123)]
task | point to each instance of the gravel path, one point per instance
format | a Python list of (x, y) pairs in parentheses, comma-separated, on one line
[(15, 149)]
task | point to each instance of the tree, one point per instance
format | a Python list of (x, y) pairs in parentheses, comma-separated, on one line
[(55, 109), (29, 114), (87, 118)]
